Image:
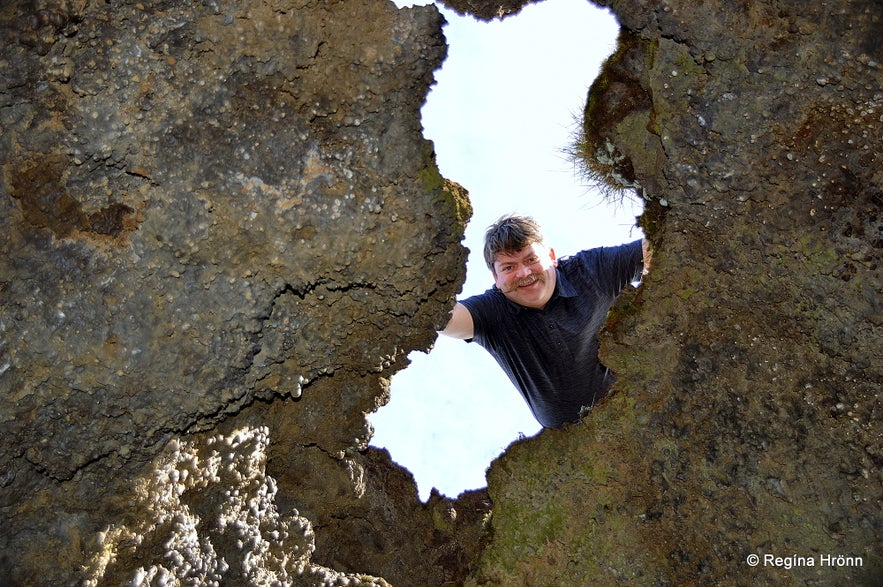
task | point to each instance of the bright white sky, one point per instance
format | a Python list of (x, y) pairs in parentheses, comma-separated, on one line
[(504, 109)]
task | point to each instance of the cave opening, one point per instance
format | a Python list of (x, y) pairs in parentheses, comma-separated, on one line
[(503, 114)]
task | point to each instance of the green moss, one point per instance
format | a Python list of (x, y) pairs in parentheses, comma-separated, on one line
[(653, 220), (448, 194), (430, 178), (614, 98)]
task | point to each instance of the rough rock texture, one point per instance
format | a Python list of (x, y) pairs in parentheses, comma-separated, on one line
[(217, 217), (746, 419), (222, 230)]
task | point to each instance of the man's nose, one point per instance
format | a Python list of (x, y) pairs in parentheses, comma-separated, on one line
[(523, 271)]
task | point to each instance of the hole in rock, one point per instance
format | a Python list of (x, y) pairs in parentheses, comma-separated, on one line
[(503, 114)]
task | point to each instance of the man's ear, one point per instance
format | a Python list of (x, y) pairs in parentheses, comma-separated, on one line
[(553, 257)]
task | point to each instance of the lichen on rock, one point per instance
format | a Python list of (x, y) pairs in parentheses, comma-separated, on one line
[(743, 418), (206, 208), (212, 509), (222, 231)]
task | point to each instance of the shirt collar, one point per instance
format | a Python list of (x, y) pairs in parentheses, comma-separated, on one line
[(563, 287)]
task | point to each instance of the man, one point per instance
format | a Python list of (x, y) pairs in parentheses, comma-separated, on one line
[(540, 320)]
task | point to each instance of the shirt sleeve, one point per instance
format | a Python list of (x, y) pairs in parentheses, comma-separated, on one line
[(478, 306), (613, 268), (629, 263)]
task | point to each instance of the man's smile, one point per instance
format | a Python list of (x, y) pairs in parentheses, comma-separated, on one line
[(528, 281)]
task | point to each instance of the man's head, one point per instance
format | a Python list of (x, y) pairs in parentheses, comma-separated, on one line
[(522, 266)]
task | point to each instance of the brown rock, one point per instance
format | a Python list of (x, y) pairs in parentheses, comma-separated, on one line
[(222, 231)]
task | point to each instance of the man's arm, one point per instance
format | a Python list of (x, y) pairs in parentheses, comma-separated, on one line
[(460, 325)]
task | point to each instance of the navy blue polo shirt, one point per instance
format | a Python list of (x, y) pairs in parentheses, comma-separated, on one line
[(551, 355)]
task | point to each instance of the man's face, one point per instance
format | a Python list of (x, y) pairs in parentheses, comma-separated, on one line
[(528, 276)]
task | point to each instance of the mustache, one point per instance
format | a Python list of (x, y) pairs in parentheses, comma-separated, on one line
[(529, 280)]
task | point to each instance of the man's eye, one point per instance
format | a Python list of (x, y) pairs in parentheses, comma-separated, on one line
[(506, 268), (532, 260)]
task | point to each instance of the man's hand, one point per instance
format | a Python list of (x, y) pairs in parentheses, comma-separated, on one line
[(460, 325), (648, 256)]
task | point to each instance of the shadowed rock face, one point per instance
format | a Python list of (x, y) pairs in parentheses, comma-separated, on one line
[(745, 419), (222, 231)]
